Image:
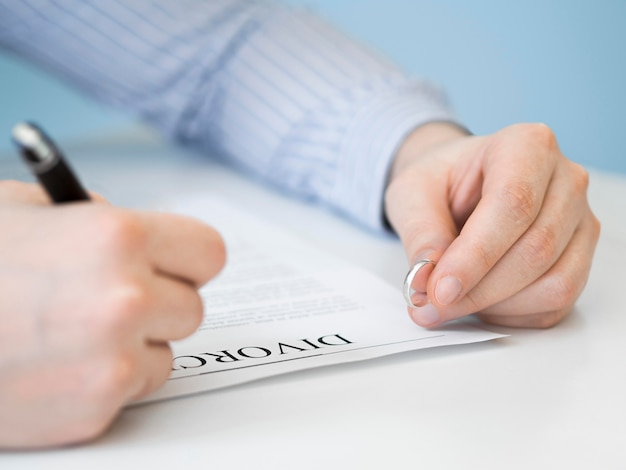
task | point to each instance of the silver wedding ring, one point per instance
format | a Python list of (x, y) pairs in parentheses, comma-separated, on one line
[(408, 280)]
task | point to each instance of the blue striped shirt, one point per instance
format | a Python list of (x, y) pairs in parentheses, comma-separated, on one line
[(273, 90)]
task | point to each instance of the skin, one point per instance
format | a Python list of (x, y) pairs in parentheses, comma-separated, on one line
[(90, 296), (506, 218)]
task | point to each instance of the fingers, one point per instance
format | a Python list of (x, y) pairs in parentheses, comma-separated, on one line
[(184, 254), (156, 369), (183, 247), (548, 300), (151, 263), (531, 255), (176, 311), (513, 193), (177, 246)]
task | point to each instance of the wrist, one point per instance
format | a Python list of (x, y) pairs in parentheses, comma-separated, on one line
[(423, 139)]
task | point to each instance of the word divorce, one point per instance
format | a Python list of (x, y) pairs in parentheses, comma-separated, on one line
[(280, 350)]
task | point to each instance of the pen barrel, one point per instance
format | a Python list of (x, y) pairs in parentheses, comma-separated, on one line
[(61, 184)]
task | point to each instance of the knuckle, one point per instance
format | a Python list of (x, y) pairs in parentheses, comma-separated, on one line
[(124, 307), (596, 227), (132, 299), (563, 292), (580, 178), (117, 375), (536, 320), (550, 319), (160, 375), (540, 134), (475, 300), (545, 320), (541, 246), (553, 318), (520, 201), (483, 258), (119, 231)]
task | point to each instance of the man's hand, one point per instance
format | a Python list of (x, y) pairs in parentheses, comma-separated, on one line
[(505, 217), (90, 295)]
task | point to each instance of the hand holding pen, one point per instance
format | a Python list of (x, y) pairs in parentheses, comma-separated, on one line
[(90, 296)]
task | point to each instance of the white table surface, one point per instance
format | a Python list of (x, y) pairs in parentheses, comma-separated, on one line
[(539, 399)]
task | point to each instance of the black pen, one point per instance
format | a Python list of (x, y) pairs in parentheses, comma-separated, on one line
[(47, 163)]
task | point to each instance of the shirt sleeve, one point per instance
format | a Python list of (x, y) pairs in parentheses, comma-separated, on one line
[(275, 91)]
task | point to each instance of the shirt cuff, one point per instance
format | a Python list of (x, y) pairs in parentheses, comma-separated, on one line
[(371, 143)]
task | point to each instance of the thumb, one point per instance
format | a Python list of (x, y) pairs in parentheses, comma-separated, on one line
[(418, 208)]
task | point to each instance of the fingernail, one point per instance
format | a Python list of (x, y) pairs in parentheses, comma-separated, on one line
[(447, 290), (426, 315)]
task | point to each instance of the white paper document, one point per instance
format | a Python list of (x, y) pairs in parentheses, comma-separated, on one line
[(281, 305)]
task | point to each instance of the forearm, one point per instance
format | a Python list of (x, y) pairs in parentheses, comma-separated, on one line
[(275, 91)]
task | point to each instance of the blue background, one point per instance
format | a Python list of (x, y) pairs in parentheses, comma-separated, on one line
[(555, 61)]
